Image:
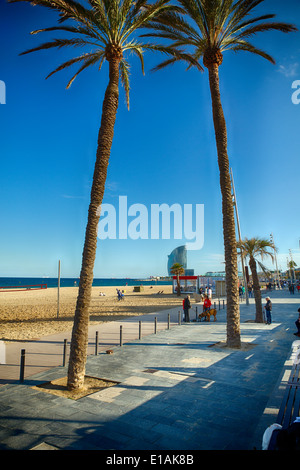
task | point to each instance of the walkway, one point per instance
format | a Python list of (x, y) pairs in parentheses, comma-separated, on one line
[(178, 389)]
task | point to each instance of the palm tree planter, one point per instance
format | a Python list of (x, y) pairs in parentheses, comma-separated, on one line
[(254, 248), (213, 27), (106, 25)]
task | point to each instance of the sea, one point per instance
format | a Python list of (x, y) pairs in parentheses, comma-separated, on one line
[(50, 282)]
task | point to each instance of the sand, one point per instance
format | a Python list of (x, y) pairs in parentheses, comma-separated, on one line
[(28, 315)]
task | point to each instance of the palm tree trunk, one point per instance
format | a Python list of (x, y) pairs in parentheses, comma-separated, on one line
[(230, 245), (178, 286), (257, 292), (78, 352)]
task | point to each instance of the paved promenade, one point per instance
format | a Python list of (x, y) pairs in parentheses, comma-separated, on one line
[(178, 389)]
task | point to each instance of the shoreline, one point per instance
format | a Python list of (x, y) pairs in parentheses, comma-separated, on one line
[(31, 314)]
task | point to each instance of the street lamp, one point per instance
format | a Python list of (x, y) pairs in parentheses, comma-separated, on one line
[(272, 241)]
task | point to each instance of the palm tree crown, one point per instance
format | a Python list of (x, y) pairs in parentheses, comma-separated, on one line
[(217, 26), (257, 248), (105, 27)]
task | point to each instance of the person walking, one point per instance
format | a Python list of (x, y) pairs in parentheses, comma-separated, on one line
[(186, 307), (297, 323), (268, 309)]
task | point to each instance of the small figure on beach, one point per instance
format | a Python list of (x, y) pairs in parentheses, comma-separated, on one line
[(297, 323), (186, 307), (120, 295), (268, 310)]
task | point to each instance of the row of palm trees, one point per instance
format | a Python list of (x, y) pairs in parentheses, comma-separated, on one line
[(184, 30)]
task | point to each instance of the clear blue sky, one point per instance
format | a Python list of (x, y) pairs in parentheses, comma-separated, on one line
[(163, 151)]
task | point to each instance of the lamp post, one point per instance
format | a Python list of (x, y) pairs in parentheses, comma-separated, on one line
[(272, 241), (240, 237)]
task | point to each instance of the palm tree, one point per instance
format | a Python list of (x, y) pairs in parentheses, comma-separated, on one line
[(213, 27), (177, 269), (105, 28), (254, 248)]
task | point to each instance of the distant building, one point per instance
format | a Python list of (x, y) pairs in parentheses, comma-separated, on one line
[(178, 255), (189, 272)]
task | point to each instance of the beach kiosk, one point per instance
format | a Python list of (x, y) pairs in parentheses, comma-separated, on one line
[(188, 284)]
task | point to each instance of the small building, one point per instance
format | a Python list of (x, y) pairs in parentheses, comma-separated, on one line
[(193, 284), (188, 284)]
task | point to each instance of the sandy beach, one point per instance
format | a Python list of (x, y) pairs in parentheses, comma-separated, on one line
[(27, 315)]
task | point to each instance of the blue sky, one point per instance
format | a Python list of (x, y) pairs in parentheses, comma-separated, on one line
[(163, 151)]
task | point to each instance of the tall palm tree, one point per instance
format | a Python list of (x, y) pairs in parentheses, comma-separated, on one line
[(254, 248), (213, 27), (177, 269), (106, 29)]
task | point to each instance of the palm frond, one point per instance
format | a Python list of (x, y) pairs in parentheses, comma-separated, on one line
[(247, 47), (138, 50), (124, 74), (91, 59), (75, 42), (68, 63)]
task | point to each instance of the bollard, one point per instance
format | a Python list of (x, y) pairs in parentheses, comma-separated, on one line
[(215, 306), (179, 318), (65, 352), (223, 304), (121, 335), (155, 325), (96, 344), (168, 321), (140, 329), (219, 304), (196, 313), (22, 365)]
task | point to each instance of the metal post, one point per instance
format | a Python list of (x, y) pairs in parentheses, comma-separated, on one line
[(22, 365), (140, 329), (223, 304), (278, 276), (96, 343), (240, 237), (196, 313), (58, 287), (65, 352), (168, 321), (155, 325), (121, 335), (219, 304), (179, 318)]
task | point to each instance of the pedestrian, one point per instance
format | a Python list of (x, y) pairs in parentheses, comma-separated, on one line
[(209, 293), (206, 303), (250, 290), (186, 307), (297, 323), (268, 309)]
